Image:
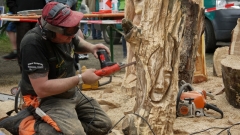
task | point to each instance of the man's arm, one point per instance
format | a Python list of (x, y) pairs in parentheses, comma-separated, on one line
[(82, 46), (12, 5), (45, 87)]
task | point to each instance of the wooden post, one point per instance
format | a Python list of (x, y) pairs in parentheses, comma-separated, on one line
[(156, 31)]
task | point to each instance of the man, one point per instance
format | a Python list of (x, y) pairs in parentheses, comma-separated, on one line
[(11, 32), (96, 34), (49, 81), (23, 27)]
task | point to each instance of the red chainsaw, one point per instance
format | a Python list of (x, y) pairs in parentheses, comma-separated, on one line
[(107, 66), (192, 103)]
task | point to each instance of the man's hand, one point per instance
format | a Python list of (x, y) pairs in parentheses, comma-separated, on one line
[(96, 47), (89, 77)]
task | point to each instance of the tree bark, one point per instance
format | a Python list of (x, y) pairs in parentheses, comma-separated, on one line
[(231, 81), (159, 30), (190, 42)]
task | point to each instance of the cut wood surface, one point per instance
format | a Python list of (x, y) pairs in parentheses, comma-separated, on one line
[(220, 54), (200, 73), (231, 75), (235, 44)]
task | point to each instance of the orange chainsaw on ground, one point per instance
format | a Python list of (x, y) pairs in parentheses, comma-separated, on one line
[(192, 103)]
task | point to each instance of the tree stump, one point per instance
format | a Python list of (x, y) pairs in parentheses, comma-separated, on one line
[(231, 79), (220, 54)]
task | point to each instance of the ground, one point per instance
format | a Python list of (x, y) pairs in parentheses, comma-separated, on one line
[(116, 101)]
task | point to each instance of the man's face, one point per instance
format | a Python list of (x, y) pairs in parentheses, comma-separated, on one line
[(69, 33), (60, 38)]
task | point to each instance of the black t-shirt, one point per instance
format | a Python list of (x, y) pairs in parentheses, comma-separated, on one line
[(36, 59)]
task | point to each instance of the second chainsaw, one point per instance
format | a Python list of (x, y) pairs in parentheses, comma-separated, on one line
[(191, 103)]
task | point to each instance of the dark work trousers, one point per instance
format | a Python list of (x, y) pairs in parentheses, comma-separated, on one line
[(96, 34), (79, 115), (22, 29)]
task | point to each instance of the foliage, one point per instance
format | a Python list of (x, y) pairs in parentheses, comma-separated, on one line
[(78, 4), (5, 45)]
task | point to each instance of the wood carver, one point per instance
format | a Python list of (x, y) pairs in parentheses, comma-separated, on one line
[(158, 31)]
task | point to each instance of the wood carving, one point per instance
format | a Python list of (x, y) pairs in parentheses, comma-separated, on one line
[(231, 81), (220, 54), (235, 44), (156, 30)]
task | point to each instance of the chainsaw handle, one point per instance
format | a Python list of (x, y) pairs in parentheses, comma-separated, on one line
[(183, 88), (213, 107), (108, 70)]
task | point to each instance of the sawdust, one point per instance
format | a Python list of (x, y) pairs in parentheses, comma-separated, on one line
[(116, 101)]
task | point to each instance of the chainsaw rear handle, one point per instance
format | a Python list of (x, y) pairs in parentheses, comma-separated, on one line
[(213, 107), (104, 58), (183, 88)]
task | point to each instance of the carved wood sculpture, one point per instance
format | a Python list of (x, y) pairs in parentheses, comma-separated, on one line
[(158, 30), (219, 54), (235, 44)]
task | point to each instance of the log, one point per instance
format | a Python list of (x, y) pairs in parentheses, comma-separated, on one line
[(231, 79), (235, 44), (220, 54), (191, 43)]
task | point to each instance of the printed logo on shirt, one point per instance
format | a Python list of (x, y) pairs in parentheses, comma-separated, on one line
[(35, 65)]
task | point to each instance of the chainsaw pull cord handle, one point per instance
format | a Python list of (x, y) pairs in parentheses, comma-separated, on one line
[(213, 107), (184, 86)]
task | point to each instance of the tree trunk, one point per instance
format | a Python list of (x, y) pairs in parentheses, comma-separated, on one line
[(190, 42), (159, 30), (231, 81)]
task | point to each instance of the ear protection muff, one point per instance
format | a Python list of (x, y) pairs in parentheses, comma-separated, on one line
[(48, 30)]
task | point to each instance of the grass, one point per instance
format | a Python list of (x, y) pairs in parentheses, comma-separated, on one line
[(5, 45)]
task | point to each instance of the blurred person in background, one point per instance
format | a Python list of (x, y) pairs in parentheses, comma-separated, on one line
[(23, 27), (11, 32), (96, 34)]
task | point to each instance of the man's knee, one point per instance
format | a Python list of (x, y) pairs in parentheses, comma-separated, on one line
[(101, 128)]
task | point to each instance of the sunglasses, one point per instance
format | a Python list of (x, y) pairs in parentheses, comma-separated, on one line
[(70, 31), (67, 31)]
